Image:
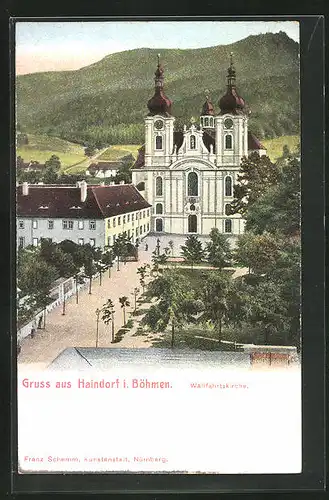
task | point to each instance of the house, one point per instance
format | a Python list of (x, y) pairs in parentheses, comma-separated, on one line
[(81, 213), (34, 166), (103, 169), (188, 175)]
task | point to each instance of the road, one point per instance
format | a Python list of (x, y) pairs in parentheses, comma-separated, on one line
[(77, 328)]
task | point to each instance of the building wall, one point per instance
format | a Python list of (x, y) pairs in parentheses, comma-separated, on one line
[(131, 223), (58, 234)]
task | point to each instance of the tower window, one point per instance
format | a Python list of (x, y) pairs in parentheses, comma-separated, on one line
[(158, 186), (228, 226), (192, 184), (206, 122), (192, 142), (228, 141), (159, 208), (158, 142), (228, 186), (201, 121), (211, 122)]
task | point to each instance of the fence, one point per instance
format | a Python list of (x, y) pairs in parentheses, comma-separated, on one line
[(64, 289)]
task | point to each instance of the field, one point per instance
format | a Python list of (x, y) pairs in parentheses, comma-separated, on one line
[(41, 147), (274, 146), (118, 151)]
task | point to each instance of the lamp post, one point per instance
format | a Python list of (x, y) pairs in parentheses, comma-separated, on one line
[(112, 326), (158, 246), (98, 311), (137, 246)]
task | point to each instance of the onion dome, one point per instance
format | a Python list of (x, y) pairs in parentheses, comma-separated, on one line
[(208, 108), (159, 104), (231, 102)]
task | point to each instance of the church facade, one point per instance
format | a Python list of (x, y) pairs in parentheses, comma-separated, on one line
[(188, 176)]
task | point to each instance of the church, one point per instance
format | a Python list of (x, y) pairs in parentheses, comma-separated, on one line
[(188, 175)]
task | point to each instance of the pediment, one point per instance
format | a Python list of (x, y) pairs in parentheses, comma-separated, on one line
[(192, 164)]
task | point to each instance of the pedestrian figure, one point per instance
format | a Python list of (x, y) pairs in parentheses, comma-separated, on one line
[(40, 322), (146, 247)]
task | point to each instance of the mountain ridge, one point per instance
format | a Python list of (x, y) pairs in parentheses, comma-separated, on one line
[(111, 94)]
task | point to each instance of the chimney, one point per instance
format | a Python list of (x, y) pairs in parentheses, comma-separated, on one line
[(83, 190), (25, 189)]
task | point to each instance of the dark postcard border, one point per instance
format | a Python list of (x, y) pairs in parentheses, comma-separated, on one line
[(312, 478)]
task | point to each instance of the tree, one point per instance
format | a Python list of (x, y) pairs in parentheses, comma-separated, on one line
[(108, 315), (53, 255), (218, 249), (258, 252), (215, 293), (50, 175), (278, 210), (90, 151), (120, 247), (124, 303), (257, 173), (54, 163), (135, 294), (142, 271), (174, 303), (192, 251), (89, 270), (107, 260)]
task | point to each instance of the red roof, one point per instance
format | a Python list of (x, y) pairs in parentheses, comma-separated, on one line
[(254, 143), (63, 201)]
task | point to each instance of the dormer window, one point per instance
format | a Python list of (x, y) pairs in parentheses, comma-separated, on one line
[(43, 207), (75, 208), (192, 142), (158, 142)]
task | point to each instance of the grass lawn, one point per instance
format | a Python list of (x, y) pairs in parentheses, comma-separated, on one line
[(41, 147), (117, 151), (274, 146)]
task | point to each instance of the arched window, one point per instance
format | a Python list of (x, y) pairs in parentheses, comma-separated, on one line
[(228, 210), (228, 186), (159, 225), (206, 122), (211, 120), (228, 141), (192, 142), (228, 226), (192, 184), (202, 121), (158, 186), (159, 208), (158, 142), (192, 224)]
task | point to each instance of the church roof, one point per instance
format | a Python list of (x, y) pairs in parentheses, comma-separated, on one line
[(159, 104), (254, 143)]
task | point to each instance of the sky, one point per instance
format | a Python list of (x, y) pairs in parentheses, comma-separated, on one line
[(58, 46)]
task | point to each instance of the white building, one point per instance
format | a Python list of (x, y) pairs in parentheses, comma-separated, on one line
[(189, 175)]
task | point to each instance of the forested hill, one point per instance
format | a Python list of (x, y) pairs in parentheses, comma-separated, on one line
[(106, 101)]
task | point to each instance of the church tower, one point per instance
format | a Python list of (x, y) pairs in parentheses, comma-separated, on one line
[(231, 125), (159, 125)]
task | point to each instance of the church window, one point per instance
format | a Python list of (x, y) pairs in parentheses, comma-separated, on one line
[(192, 184), (159, 225), (192, 142), (206, 122), (228, 226), (158, 142), (228, 209), (228, 186), (158, 186), (159, 208), (211, 122), (201, 121), (228, 141)]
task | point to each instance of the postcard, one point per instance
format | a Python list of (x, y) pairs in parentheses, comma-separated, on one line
[(158, 247)]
